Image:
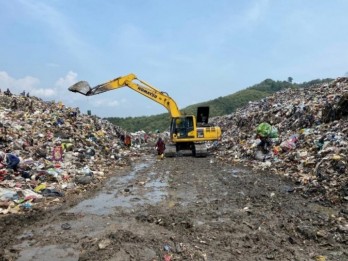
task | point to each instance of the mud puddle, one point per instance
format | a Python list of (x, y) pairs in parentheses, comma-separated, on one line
[(92, 217), (52, 253), (126, 192)]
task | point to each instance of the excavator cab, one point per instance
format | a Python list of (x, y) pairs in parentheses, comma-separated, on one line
[(202, 116), (182, 127)]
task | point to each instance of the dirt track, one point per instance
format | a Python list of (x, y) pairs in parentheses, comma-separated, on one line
[(180, 208)]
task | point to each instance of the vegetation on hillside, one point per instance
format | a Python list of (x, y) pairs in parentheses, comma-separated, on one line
[(219, 106)]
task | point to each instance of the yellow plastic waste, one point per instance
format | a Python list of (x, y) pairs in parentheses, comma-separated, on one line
[(40, 187), (336, 157), (100, 133), (320, 258)]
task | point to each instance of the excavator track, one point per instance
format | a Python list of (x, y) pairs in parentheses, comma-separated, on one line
[(201, 150), (170, 151)]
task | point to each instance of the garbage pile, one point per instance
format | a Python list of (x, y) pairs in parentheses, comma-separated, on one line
[(47, 150), (310, 145)]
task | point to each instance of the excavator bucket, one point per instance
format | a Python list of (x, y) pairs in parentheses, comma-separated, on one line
[(82, 87)]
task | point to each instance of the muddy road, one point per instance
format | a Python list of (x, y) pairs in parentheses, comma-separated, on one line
[(181, 208)]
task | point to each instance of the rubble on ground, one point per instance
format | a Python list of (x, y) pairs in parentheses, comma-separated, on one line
[(317, 159)]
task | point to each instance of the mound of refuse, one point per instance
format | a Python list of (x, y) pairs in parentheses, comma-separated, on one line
[(47, 149), (309, 144)]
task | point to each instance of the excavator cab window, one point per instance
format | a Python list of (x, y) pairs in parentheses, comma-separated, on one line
[(202, 115), (181, 126)]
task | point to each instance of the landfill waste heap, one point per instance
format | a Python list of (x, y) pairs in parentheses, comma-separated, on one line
[(311, 146), (61, 151)]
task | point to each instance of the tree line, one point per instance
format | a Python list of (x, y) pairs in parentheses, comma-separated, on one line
[(218, 106)]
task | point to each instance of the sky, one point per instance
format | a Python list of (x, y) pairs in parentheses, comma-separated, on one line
[(195, 50)]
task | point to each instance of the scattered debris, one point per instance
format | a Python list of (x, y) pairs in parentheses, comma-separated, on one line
[(311, 144), (49, 150)]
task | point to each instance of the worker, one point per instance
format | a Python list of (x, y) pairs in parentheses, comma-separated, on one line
[(160, 147), (204, 118), (13, 104), (8, 92), (127, 141), (266, 132), (264, 144)]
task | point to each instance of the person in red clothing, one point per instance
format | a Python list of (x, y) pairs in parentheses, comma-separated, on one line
[(127, 141), (160, 147)]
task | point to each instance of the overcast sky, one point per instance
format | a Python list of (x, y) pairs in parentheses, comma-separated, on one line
[(195, 50)]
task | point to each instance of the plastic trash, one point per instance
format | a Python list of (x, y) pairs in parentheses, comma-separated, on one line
[(66, 226), (289, 144), (51, 193), (167, 257), (87, 171), (40, 187), (167, 247), (264, 129), (8, 194), (26, 205)]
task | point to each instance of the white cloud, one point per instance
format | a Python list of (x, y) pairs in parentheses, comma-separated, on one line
[(113, 103), (105, 102), (256, 11), (27, 83), (97, 102), (67, 80), (43, 92)]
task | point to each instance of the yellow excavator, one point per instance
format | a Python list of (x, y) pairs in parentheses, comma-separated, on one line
[(187, 132)]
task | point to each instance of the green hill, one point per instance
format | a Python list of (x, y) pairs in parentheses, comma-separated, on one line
[(219, 106)]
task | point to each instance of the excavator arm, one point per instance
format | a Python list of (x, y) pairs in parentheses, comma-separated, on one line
[(130, 81), (184, 132)]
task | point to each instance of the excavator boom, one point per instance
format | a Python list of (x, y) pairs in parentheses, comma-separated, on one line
[(185, 133), (142, 87)]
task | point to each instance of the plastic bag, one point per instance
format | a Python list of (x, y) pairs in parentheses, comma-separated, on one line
[(264, 129), (274, 133), (289, 144), (267, 131)]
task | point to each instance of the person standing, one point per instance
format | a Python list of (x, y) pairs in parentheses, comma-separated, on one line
[(160, 147), (127, 141)]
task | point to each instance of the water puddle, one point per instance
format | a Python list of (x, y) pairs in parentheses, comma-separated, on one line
[(237, 172), (51, 252), (125, 192), (140, 186), (156, 190)]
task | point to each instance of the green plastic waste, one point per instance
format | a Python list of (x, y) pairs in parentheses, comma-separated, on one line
[(266, 130)]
